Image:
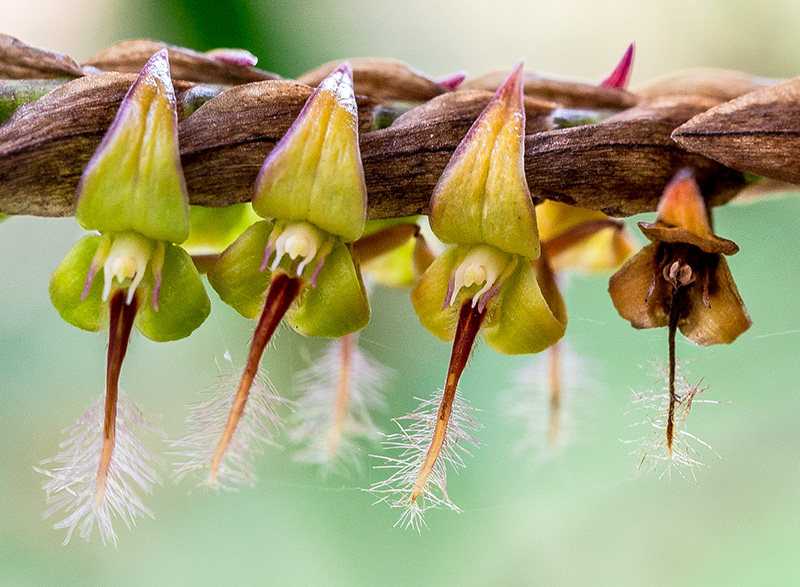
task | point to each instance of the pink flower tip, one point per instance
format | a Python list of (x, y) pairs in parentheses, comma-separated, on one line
[(237, 57), (512, 86), (451, 81), (622, 72)]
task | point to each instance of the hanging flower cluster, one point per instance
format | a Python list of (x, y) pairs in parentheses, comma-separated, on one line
[(298, 252)]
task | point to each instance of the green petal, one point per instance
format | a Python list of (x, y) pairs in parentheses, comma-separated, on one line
[(482, 196), (314, 173), (338, 304), (521, 320), (395, 268), (214, 229), (236, 277), (134, 180), (68, 282), (430, 293), (183, 304)]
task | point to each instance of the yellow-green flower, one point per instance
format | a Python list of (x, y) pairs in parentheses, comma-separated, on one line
[(130, 274), (297, 262), (485, 283)]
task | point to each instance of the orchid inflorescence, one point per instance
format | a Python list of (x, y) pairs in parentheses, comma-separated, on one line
[(304, 250)]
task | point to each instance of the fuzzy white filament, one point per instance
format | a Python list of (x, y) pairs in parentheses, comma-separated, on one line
[(207, 421), (340, 392), (73, 473), (411, 445), (653, 452), (546, 427)]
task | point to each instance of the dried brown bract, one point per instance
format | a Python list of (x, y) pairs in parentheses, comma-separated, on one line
[(19, 60), (620, 165), (566, 94), (186, 64), (385, 80), (719, 84), (756, 133)]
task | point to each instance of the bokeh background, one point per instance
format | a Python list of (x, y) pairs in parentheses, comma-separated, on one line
[(582, 518)]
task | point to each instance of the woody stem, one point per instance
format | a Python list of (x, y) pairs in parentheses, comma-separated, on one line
[(282, 292), (120, 326), (469, 323)]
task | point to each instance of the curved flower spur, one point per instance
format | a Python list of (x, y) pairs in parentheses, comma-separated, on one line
[(299, 265), (485, 283), (682, 281), (133, 193)]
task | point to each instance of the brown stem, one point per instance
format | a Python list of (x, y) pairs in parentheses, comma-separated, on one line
[(674, 312), (342, 401), (469, 323), (554, 421), (120, 326), (282, 292)]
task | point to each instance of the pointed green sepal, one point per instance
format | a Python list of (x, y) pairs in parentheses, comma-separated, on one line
[(314, 173), (482, 197), (84, 309), (338, 304), (522, 320), (183, 304), (430, 295), (236, 277), (134, 181)]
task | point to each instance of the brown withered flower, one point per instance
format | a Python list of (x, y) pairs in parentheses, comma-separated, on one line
[(681, 280)]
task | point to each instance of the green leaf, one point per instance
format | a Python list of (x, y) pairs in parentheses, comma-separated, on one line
[(183, 304), (236, 277), (338, 304), (68, 282)]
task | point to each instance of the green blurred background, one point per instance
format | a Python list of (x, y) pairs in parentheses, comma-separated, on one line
[(579, 519)]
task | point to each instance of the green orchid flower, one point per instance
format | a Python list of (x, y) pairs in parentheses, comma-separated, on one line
[(298, 261), (130, 274), (485, 283)]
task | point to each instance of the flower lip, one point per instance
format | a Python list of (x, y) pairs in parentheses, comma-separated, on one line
[(127, 260)]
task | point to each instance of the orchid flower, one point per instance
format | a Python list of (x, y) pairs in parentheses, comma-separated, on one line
[(130, 274), (682, 281), (296, 263), (485, 283)]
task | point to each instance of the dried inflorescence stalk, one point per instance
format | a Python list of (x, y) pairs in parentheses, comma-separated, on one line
[(626, 156)]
